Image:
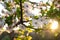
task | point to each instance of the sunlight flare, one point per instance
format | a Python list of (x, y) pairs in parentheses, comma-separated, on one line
[(54, 25)]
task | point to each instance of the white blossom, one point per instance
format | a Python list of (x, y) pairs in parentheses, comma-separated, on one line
[(16, 28), (37, 1), (27, 23), (39, 23), (48, 8), (3, 11), (1, 7), (11, 1), (44, 1), (35, 23), (14, 9), (5, 27), (50, 2), (30, 18), (28, 9), (27, 5), (36, 12), (17, 19), (43, 8), (43, 20), (2, 21), (6, 1)]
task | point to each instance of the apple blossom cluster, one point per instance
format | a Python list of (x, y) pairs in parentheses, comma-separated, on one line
[(4, 12), (33, 9)]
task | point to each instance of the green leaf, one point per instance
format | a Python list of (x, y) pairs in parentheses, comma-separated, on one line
[(18, 12), (9, 19)]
